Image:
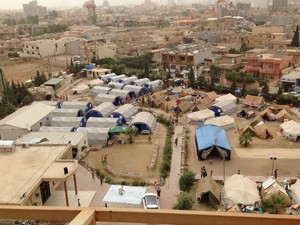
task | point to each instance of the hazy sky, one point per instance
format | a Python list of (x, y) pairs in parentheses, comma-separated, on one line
[(18, 4)]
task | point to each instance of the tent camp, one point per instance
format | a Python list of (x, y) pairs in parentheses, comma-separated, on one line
[(208, 191), (145, 122), (100, 90), (127, 80), (186, 92), (68, 112), (115, 85), (101, 98), (106, 77), (67, 122), (116, 78), (270, 187), (291, 130), (226, 122), (239, 189), (51, 103), (254, 101), (102, 122), (56, 129), (296, 189), (211, 95), (245, 127), (84, 106), (154, 85), (124, 94), (262, 131), (96, 136), (80, 89), (139, 90), (225, 107), (140, 82), (267, 115), (226, 97), (246, 113), (103, 110), (184, 106), (95, 82), (199, 117), (215, 139), (125, 112), (283, 115)]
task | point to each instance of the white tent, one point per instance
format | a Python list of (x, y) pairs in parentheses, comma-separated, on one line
[(106, 77), (126, 112), (101, 98), (296, 189), (84, 106), (118, 78), (226, 97), (227, 122), (67, 122), (96, 136), (200, 116), (56, 129), (122, 93), (141, 82), (101, 122), (95, 82), (80, 89), (127, 80), (155, 85), (115, 85), (240, 190), (103, 110), (67, 112), (228, 107), (291, 129), (144, 121), (138, 90), (100, 90)]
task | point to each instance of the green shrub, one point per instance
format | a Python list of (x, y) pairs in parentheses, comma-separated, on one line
[(108, 180), (187, 180), (142, 183), (123, 183), (184, 201), (135, 183)]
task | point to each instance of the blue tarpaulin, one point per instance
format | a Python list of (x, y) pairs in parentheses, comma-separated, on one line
[(210, 137)]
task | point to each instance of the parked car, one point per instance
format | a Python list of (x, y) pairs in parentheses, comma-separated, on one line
[(150, 201)]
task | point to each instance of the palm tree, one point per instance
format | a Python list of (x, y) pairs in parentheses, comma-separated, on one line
[(131, 133), (245, 138)]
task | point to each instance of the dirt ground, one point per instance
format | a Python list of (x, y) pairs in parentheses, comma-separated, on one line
[(23, 71), (132, 158)]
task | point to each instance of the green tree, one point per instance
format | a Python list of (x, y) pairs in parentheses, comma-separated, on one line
[(131, 133), (233, 85), (184, 201), (245, 138), (215, 72), (6, 109), (273, 204), (279, 92), (265, 89), (39, 79), (244, 91), (295, 40), (187, 180), (191, 77), (244, 48), (233, 51)]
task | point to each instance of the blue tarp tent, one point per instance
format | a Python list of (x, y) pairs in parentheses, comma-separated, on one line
[(210, 137)]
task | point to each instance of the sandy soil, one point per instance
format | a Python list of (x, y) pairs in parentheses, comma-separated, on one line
[(133, 158)]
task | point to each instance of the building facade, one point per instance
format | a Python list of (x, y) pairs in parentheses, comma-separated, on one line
[(32, 9)]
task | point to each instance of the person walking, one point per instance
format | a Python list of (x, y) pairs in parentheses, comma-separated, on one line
[(101, 179), (176, 141), (158, 191), (78, 202), (275, 174), (93, 174)]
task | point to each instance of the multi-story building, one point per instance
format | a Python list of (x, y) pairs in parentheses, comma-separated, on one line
[(50, 47), (230, 62), (263, 4), (267, 66), (99, 50), (32, 9), (182, 60), (9, 46), (279, 4), (8, 32)]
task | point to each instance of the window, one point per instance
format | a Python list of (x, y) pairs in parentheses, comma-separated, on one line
[(41, 124), (37, 47), (32, 47), (270, 66), (182, 58)]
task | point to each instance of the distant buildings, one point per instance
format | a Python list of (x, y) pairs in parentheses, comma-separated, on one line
[(279, 4), (32, 9), (263, 4)]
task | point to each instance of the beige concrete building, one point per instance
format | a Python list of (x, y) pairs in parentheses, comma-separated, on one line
[(230, 62), (96, 72), (24, 120), (51, 47), (77, 140), (31, 173), (99, 50), (32, 9), (9, 46)]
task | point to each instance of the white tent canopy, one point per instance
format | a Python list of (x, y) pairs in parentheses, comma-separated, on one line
[(122, 93), (115, 85), (127, 80), (127, 111), (100, 90), (200, 116), (155, 85), (66, 122), (76, 105), (296, 189), (141, 82), (96, 136), (238, 189), (145, 118), (227, 122), (228, 106), (101, 122), (105, 109), (107, 76), (66, 112), (226, 97), (55, 129), (291, 129), (137, 89), (101, 98), (95, 82), (117, 78)]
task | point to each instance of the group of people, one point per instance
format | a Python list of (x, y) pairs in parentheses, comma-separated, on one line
[(203, 172)]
